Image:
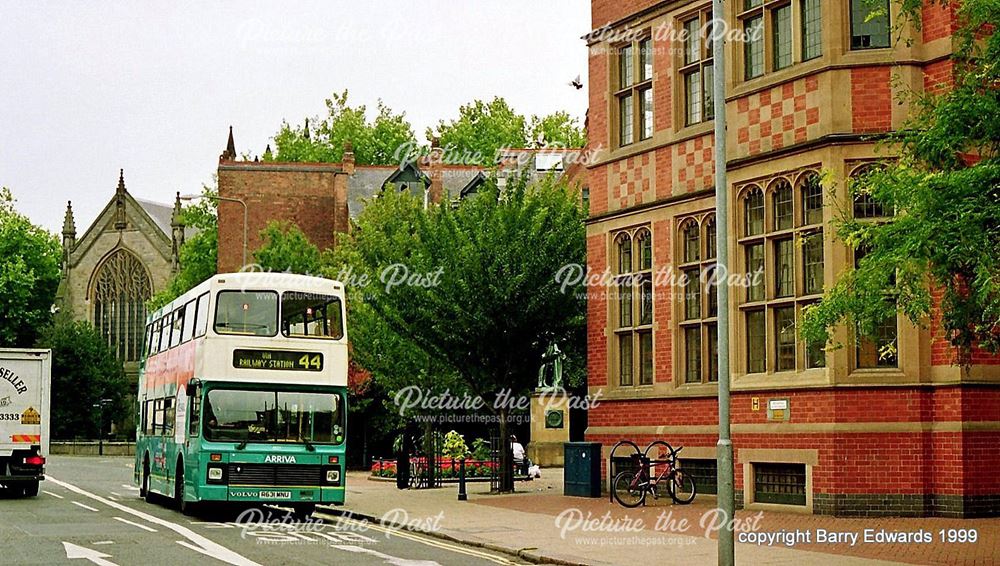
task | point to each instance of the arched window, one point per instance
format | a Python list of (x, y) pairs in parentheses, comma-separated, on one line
[(710, 247), (624, 242), (865, 206), (121, 289), (692, 244), (782, 199), (753, 210), (812, 200), (645, 250)]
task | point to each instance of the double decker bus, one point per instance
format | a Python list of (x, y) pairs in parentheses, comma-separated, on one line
[(243, 394)]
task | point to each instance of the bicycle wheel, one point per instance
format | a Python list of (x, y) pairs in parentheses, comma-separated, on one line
[(624, 493), (681, 485)]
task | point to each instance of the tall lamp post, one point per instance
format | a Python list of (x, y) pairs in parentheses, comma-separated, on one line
[(724, 448), (227, 199)]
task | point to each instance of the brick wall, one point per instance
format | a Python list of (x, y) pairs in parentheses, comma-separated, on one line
[(313, 196), (597, 314), (871, 99)]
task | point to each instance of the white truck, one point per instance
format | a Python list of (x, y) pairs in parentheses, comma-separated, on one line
[(25, 388)]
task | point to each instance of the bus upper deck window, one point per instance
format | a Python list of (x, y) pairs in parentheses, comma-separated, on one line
[(247, 313), (311, 315)]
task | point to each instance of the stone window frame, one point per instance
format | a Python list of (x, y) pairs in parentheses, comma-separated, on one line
[(704, 63), (635, 89), (694, 270), (629, 326), (773, 306), (121, 274)]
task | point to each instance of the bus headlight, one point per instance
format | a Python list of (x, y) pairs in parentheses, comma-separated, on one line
[(333, 476), (214, 474)]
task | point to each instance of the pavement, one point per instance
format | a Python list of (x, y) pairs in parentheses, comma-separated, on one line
[(541, 525)]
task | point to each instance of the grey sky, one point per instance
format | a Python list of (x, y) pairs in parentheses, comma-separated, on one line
[(152, 87)]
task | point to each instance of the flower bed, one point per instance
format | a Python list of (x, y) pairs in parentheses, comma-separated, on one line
[(450, 467)]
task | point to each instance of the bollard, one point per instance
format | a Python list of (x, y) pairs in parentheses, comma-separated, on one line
[(462, 495)]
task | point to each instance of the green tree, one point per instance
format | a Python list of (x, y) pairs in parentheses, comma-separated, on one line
[(495, 303), (200, 253), (557, 129), (29, 275), (481, 129), (945, 187), (84, 371), (287, 249), (375, 142)]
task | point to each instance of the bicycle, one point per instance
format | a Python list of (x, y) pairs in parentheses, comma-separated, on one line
[(631, 487)]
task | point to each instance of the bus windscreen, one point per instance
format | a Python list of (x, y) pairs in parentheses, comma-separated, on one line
[(273, 416)]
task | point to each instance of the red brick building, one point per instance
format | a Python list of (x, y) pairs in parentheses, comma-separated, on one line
[(877, 427), (322, 198)]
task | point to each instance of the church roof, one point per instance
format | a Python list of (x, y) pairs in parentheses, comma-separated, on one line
[(161, 215)]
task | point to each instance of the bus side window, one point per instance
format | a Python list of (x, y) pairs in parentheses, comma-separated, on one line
[(165, 332), (157, 416), (169, 416), (189, 310), (201, 322), (177, 327)]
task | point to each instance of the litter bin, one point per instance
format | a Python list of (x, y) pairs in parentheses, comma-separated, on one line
[(582, 469)]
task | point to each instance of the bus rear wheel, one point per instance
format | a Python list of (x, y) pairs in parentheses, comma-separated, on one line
[(144, 486)]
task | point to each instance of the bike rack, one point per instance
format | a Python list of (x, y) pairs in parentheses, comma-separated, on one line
[(611, 459), (643, 454)]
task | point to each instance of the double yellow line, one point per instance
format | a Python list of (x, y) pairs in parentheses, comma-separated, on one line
[(409, 535)]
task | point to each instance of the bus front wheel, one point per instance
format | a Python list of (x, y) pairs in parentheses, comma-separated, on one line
[(304, 511), (184, 506)]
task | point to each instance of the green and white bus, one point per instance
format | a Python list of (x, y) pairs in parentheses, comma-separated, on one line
[(242, 394)]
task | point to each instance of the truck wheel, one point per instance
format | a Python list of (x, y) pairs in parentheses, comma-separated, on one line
[(30, 489)]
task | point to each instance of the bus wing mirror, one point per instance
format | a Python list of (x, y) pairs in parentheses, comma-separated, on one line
[(191, 388)]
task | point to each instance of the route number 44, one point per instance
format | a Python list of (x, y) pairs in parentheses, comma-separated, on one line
[(314, 361)]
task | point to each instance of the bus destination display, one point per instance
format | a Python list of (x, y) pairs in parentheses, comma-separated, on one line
[(277, 360)]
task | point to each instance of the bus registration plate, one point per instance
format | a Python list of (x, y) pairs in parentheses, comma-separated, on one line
[(277, 360), (275, 495)]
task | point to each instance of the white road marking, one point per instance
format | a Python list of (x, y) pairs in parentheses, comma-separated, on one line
[(116, 493), (394, 560), (87, 507), (127, 522), (410, 535), (56, 495), (199, 549), (215, 549), (113, 498), (73, 552), (129, 487), (104, 542)]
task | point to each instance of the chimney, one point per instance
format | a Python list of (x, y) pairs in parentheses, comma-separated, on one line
[(347, 161)]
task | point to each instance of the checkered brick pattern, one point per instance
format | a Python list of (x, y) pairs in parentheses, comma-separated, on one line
[(693, 165), (777, 117), (632, 181)]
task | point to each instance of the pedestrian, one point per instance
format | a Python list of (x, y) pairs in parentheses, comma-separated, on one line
[(520, 458)]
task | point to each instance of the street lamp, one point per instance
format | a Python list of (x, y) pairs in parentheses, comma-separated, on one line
[(100, 424), (227, 199)]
